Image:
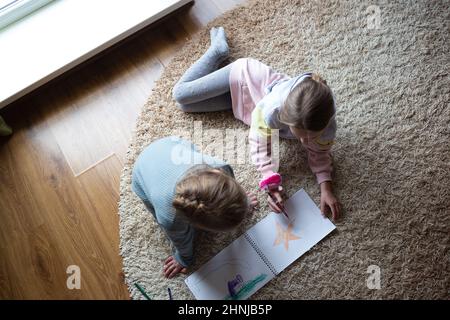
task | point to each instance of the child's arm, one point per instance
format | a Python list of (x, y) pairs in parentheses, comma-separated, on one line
[(260, 140), (320, 162), (181, 234)]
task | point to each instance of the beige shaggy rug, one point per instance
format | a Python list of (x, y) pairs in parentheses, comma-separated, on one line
[(392, 156)]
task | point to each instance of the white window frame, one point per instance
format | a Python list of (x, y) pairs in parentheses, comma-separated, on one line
[(17, 9), (63, 34)]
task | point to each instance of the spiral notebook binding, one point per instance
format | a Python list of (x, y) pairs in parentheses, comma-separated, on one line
[(261, 254)]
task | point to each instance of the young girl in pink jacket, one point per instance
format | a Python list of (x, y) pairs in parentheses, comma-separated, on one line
[(300, 107)]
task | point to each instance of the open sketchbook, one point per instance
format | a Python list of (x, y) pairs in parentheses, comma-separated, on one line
[(262, 252)]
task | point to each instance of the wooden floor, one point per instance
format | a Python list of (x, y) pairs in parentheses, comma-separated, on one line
[(60, 170)]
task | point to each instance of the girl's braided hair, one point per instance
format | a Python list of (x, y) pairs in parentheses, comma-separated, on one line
[(210, 199)]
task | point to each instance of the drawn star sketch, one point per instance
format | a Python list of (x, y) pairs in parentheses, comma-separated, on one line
[(284, 235)]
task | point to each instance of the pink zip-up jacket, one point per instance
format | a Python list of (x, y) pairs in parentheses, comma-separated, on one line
[(257, 93)]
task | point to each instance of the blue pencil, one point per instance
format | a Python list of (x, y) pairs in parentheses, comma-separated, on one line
[(170, 294)]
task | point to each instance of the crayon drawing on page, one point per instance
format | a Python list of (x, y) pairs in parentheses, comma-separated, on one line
[(284, 235), (238, 289), (234, 277), (215, 270)]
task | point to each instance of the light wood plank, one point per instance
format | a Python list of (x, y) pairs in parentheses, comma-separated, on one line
[(94, 118), (101, 187)]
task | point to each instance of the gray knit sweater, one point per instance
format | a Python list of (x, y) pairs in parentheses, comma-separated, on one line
[(155, 174)]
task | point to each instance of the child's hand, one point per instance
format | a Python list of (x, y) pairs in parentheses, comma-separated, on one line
[(252, 201), (277, 195), (328, 201), (172, 267)]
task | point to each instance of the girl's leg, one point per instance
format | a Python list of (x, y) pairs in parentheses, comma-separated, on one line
[(219, 103), (203, 87)]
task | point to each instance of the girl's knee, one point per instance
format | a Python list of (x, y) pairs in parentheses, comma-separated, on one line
[(176, 93), (180, 94)]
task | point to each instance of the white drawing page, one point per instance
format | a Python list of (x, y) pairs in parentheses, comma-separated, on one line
[(234, 273), (283, 241)]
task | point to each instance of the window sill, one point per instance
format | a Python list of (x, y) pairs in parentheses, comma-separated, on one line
[(65, 33)]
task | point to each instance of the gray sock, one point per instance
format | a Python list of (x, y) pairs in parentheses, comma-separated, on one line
[(202, 82), (217, 52)]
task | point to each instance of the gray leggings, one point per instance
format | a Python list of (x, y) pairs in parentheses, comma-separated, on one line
[(204, 87)]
